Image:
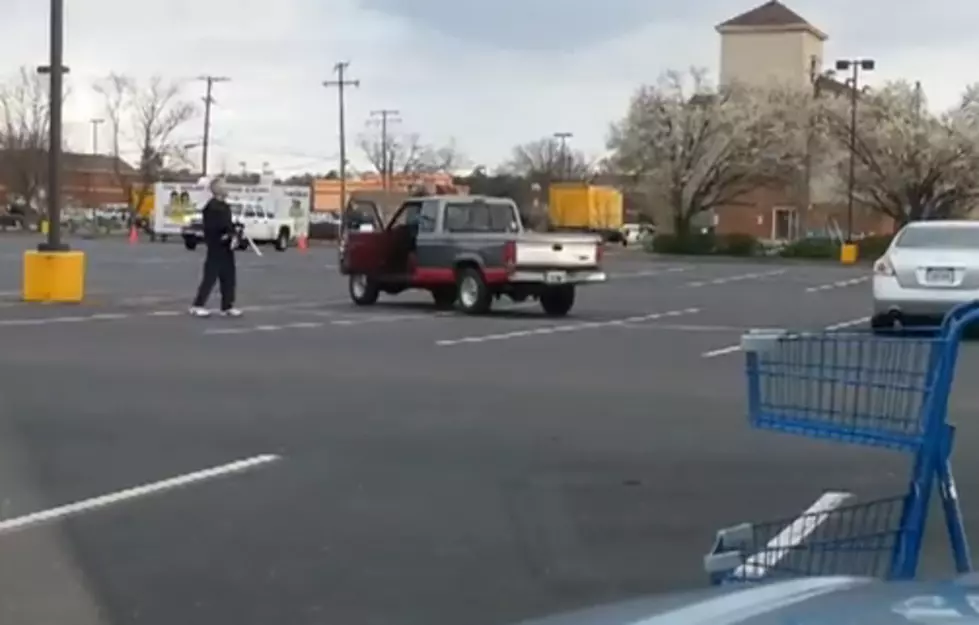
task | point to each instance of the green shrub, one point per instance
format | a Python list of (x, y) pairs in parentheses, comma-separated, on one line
[(872, 248), (812, 248), (737, 245), (690, 244)]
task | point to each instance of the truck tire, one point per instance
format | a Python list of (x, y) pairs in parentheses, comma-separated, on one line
[(282, 240), (557, 301), (190, 243), (474, 295), (445, 297), (363, 290), (163, 238)]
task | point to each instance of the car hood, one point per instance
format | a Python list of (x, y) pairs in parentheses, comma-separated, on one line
[(806, 601)]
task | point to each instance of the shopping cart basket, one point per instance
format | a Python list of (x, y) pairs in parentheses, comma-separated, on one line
[(890, 392)]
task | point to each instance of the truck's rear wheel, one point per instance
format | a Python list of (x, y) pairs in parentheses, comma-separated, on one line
[(282, 241), (190, 243), (473, 293), (557, 301), (363, 290)]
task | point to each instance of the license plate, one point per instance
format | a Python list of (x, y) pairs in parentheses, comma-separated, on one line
[(940, 276), (556, 277)]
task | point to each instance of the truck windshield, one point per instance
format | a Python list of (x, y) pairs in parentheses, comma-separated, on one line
[(480, 217)]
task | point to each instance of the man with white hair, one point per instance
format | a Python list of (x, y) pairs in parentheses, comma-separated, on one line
[(219, 263)]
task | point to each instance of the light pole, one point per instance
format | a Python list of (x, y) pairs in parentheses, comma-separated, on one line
[(855, 65), (96, 122), (566, 164), (56, 70)]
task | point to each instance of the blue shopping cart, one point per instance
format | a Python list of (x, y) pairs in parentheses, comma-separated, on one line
[(890, 392)]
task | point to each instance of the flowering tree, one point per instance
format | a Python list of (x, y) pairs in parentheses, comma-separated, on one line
[(909, 164), (690, 148)]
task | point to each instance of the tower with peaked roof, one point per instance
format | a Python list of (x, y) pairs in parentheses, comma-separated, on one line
[(770, 43)]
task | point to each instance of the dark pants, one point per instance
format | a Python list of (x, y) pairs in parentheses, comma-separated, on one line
[(219, 266)]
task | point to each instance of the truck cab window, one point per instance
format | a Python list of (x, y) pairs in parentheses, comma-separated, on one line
[(407, 215), (480, 217), (428, 216)]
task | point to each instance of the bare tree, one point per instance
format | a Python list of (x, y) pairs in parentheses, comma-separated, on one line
[(146, 118), (545, 161), (24, 136), (407, 155), (910, 164), (691, 148)]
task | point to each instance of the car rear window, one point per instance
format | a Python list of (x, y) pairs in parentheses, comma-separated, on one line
[(938, 237), (479, 217)]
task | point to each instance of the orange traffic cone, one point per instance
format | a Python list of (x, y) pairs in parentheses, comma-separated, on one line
[(301, 243), (133, 235)]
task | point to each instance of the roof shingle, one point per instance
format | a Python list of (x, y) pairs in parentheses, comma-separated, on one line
[(772, 15)]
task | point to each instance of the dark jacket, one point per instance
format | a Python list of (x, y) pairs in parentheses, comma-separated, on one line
[(218, 224)]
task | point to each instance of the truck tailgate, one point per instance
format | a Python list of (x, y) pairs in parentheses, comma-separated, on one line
[(564, 254)]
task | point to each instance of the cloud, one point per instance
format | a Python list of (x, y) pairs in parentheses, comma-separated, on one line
[(491, 75)]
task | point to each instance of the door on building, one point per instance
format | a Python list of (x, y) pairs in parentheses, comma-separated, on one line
[(784, 223)]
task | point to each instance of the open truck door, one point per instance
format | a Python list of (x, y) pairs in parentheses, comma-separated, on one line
[(364, 242)]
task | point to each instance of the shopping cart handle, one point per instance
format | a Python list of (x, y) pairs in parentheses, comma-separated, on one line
[(729, 545), (762, 339), (964, 313)]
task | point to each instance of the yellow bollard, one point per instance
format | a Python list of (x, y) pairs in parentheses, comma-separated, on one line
[(54, 277), (44, 226), (848, 253)]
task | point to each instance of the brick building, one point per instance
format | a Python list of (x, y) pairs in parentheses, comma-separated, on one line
[(88, 180), (772, 43)]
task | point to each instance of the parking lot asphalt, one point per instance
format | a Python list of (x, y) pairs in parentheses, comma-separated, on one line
[(394, 464)]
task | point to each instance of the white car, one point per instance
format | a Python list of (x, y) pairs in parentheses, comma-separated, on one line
[(929, 268)]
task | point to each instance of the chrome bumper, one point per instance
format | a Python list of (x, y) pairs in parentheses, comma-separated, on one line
[(557, 277), (892, 298)]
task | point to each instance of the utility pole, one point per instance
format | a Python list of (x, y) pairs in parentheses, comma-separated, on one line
[(208, 101), (96, 122), (56, 70), (342, 83), (387, 162), (563, 138)]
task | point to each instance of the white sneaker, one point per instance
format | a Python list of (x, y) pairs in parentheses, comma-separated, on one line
[(231, 312), (199, 311)]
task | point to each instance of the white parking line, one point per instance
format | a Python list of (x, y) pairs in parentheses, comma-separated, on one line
[(848, 324), (839, 284), (730, 349), (52, 514), (646, 273), (563, 329), (116, 316), (792, 535), (737, 278)]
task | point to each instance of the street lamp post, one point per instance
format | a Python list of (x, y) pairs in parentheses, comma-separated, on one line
[(854, 65), (56, 70), (563, 137)]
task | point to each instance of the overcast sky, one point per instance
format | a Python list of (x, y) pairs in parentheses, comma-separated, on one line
[(489, 74)]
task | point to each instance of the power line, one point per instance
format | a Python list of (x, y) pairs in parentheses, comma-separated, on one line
[(341, 83), (387, 160), (208, 101)]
